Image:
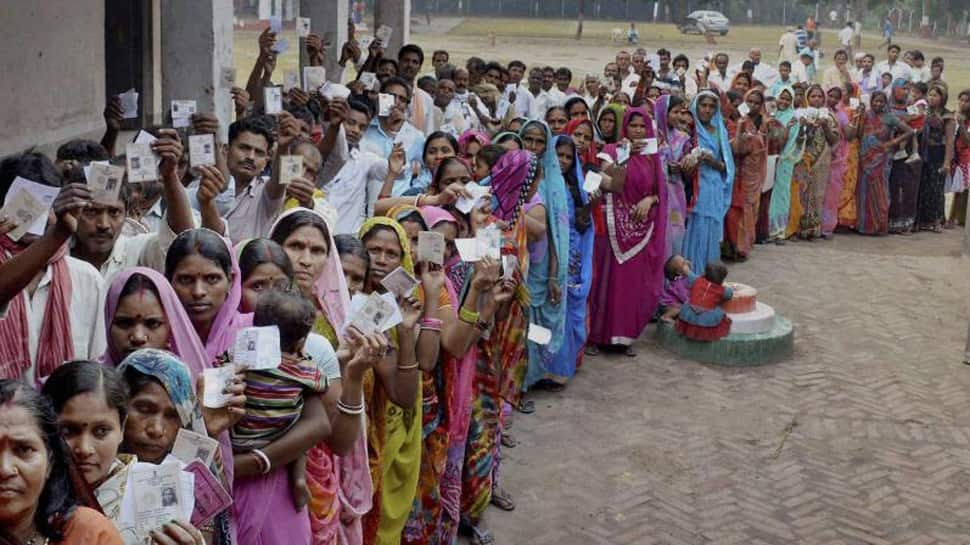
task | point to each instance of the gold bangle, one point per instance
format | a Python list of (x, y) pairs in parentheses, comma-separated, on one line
[(408, 367)]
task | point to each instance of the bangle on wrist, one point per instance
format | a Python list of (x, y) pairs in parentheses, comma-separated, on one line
[(265, 466), (468, 316), (408, 367), (431, 324), (352, 410)]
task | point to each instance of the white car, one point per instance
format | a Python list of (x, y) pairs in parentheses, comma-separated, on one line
[(701, 20)]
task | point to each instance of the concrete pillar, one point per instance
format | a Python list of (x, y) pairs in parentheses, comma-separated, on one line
[(397, 15), (328, 19), (196, 44)]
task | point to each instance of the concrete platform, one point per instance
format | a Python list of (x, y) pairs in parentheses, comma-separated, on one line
[(736, 350)]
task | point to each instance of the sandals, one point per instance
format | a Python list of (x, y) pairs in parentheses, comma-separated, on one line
[(592, 350), (481, 537), (508, 441), (502, 499), (547, 385), (526, 406), (630, 352)]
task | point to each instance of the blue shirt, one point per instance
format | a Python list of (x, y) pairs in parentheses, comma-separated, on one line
[(380, 143)]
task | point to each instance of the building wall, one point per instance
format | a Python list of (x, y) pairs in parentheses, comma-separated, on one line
[(52, 74)]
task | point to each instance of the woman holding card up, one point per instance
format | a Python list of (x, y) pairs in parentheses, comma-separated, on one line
[(392, 391), (39, 498)]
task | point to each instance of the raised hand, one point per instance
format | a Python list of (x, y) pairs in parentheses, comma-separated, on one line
[(113, 114), (169, 148), (67, 206), (211, 183)]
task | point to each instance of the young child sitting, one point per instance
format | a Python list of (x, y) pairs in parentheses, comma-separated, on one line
[(274, 397), (702, 318), (676, 287)]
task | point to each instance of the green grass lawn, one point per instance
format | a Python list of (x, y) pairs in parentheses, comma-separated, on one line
[(550, 41)]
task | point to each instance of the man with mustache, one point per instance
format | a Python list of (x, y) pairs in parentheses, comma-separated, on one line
[(246, 206), (99, 239)]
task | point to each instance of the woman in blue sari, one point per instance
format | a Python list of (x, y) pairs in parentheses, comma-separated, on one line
[(713, 182), (779, 208), (579, 277), (548, 263)]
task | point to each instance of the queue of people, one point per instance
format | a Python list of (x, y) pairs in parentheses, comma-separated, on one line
[(606, 196)]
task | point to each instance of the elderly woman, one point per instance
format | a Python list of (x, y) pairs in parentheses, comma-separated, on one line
[(38, 504)]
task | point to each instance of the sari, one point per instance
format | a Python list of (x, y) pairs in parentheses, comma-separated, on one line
[(931, 201), (184, 342), (904, 178), (436, 512), (674, 146), (751, 161), (959, 180), (705, 225), (579, 279), (781, 194), (588, 158), (340, 486), (847, 213), (393, 435), (635, 254), (177, 380), (543, 311), (875, 162), (502, 356), (837, 170), (811, 179), (466, 138), (618, 111)]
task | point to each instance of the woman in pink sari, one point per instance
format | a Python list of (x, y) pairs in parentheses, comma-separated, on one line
[(674, 146), (338, 476), (837, 167), (636, 221)]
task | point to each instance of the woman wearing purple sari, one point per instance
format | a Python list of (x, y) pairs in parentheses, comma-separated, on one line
[(636, 222), (674, 146)]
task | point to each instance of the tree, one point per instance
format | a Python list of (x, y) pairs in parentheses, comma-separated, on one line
[(579, 23)]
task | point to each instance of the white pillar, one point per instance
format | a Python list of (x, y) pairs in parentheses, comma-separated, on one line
[(196, 44), (397, 15), (328, 19)]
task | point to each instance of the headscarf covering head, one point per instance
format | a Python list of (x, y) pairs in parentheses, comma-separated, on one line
[(330, 287), (183, 340)]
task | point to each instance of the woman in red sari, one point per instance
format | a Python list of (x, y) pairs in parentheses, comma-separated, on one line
[(876, 129), (636, 235), (750, 158)]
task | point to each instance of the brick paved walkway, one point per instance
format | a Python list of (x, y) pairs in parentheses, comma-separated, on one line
[(861, 438)]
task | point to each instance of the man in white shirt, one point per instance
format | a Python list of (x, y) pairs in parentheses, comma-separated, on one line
[(468, 101), (421, 111), (869, 80), (99, 240), (556, 97), (539, 100), (358, 183), (763, 72), (788, 46), (892, 64), (384, 132), (448, 113), (718, 76), (30, 280), (845, 37), (919, 72)]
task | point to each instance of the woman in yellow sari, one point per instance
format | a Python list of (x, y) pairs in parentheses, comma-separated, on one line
[(392, 390)]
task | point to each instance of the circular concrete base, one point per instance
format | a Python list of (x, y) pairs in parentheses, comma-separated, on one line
[(761, 319), (738, 350)]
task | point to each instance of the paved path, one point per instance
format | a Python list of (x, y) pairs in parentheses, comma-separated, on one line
[(862, 438)]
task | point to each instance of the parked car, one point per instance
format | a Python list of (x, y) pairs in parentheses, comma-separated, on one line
[(698, 21)]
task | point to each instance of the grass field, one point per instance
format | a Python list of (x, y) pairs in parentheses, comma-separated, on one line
[(550, 41)]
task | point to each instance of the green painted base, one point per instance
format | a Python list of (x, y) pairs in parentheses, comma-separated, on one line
[(734, 350)]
